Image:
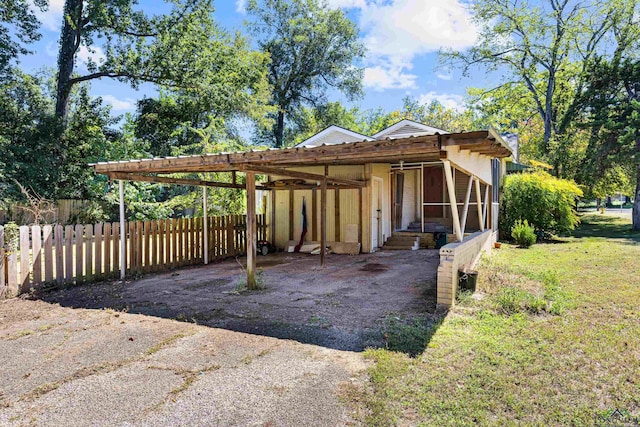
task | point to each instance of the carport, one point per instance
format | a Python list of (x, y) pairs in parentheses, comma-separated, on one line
[(321, 169)]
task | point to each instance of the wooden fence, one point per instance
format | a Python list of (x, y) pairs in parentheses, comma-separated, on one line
[(81, 253)]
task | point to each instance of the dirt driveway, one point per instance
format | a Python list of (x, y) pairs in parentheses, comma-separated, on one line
[(341, 306)]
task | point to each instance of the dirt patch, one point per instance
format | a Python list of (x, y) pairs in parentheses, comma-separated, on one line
[(341, 306), (374, 268)]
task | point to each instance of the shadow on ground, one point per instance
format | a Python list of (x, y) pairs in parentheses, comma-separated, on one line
[(605, 226), (386, 299)]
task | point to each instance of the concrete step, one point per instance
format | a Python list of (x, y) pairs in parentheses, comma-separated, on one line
[(406, 239), (400, 247)]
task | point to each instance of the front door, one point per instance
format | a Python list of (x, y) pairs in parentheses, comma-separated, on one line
[(433, 193), (376, 212), (398, 192)]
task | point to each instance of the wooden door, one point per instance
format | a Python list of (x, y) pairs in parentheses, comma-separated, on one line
[(432, 191)]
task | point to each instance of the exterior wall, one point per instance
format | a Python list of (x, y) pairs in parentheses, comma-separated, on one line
[(349, 205), (455, 256), (473, 163), (381, 170)]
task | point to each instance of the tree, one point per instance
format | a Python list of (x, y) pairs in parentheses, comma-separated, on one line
[(612, 100), (312, 48), (179, 49), (546, 46), (16, 16)]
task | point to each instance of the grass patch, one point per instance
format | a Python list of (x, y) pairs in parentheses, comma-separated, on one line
[(555, 340), (408, 336)]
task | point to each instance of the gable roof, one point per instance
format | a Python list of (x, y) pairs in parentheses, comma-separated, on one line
[(333, 135), (406, 128)]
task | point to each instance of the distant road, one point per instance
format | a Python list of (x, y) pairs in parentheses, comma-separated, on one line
[(621, 212)]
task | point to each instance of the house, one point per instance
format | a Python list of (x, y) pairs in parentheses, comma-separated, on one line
[(408, 181)]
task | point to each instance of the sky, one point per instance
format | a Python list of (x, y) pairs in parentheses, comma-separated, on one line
[(402, 38)]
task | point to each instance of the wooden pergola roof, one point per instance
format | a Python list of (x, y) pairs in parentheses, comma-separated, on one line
[(421, 148)]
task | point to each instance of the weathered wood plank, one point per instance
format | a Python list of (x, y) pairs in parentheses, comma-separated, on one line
[(147, 244), (4, 291), (79, 252), (36, 253), (25, 278), (98, 245), (117, 234), (108, 251), (58, 236), (88, 260), (47, 237), (133, 246), (139, 244), (68, 253)]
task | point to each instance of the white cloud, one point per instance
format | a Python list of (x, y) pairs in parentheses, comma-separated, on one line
[(347, 4), (444, 76), (241, 6), (96, 54), (397, 31), (448, 100), (51, 18), (118, 104), (386, 75)]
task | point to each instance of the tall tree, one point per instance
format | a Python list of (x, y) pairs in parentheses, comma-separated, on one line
[(612, 100), (545, 45), (17, 19), (172, 50), (312, 48)]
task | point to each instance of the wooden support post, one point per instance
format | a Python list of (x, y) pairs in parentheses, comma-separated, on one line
[(123, 233), (252, 243), (463, 223), (360, 217), (273, 217), (205, 227), (452, 200), (314, 215), (323, 221), (233, 177), (291, 201), (422, 197), (336, 209), (483, 224), (479, 204)]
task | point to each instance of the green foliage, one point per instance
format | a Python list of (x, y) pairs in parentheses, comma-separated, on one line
[(18, 27), (523, 233), (312, 48), (11, 236), (511, 300), (547, 203)]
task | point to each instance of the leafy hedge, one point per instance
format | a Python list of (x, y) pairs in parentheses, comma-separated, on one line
[(547, 203)]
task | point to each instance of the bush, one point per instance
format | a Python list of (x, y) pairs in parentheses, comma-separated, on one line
[(523, 234), (547, 203)]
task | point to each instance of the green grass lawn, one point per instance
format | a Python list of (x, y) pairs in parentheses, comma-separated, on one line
[(552, 338)]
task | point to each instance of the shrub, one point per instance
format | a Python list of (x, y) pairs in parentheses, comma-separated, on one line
[(11, 236), (547, 203), (523, 234)]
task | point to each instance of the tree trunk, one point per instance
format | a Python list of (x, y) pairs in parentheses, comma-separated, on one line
[(636, 203), (69, 43), (279, 131)]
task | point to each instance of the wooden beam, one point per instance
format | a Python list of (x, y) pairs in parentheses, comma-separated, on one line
[(178, 181), (463, 223), (484, 210), (252, 244), (363, 152), (479, 203), (314, 216), (360, 217), (273, 218), (304, 175), (452, 200)]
